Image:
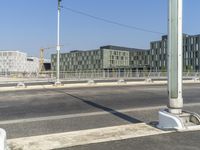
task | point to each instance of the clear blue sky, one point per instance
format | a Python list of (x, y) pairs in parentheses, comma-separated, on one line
[(27, 25)]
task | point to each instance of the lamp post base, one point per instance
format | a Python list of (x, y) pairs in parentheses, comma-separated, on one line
[(21, 85), (91, 82), (58, 83), (184, 121)]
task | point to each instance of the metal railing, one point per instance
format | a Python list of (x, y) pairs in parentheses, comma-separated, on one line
[(91, 74), (104, 74)]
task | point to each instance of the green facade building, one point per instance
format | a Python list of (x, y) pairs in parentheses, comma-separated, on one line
[(105, 58), (191, 53), (122, 58)]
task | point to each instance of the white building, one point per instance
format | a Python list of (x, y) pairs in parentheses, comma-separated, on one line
[(18, 62)]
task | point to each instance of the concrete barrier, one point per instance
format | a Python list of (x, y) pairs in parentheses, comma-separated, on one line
[(3, 144)]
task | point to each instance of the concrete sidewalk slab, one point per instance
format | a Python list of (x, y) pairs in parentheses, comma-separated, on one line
[(69, 139)]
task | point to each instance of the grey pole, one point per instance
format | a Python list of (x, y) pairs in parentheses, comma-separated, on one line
[(58, 46), (175, 57), (173, 118)]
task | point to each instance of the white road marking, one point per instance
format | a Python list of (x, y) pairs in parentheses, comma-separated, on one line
[(69, 139), (48, 118)]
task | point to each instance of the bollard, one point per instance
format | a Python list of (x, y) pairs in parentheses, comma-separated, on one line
[(3, 144)]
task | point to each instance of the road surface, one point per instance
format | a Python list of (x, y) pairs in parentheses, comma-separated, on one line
[(38, 112)]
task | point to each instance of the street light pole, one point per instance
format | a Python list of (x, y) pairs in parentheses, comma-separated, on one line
[(175, 58), (58, 46), (174, 117)]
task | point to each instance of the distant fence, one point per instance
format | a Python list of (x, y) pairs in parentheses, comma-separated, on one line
[(118, 74), (93, 74)]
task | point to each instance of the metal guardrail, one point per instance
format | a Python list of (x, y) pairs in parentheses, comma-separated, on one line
[(95, 75), (89, 75)]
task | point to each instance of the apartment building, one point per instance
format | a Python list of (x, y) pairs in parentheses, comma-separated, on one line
[(17, 62), (115, 57), (191, 53), (105, 58)]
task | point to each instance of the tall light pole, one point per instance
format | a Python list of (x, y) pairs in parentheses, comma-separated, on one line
[(170, 118), (174, 117), (58, 46), (175, 57)]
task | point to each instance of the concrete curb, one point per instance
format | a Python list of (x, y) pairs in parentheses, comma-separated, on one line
[(3, 144), (75, 85), (69, 139)]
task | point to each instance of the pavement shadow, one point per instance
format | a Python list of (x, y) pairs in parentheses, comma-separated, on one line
[(109, 110)]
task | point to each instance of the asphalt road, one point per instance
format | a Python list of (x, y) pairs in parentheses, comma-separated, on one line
[(61, 110)]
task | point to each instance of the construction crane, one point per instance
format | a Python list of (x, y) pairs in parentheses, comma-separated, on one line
[(41, 65)]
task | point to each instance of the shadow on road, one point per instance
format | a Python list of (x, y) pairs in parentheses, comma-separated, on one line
[(111, 111)]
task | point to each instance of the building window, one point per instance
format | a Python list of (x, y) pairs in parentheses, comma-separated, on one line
[(197, 46), (152, 52), (186, 55), (192, 41)]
